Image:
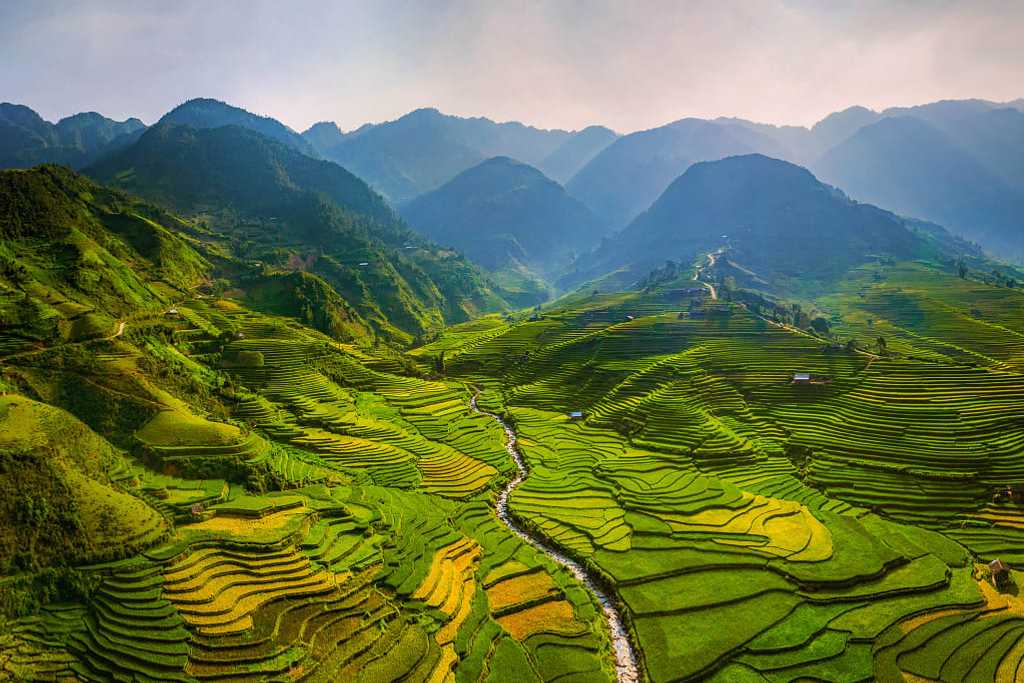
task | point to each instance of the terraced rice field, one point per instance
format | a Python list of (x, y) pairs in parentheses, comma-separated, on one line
[(710, 489), (738, 525)]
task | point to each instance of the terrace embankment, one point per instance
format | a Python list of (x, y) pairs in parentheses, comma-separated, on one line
[(626, 668)]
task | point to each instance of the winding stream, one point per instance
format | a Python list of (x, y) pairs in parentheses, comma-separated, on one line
[(626, 670)]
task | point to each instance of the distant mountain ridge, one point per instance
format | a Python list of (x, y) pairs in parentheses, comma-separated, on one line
[(964, 170), (771, 216), (982, 143), (968, 176), (26, 139), (203, 112), (272, 207), (425, 148), (576, 152), (230, 165), (503, 211), (627, 176)]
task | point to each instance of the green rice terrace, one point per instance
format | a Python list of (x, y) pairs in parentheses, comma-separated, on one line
[(219, 494)]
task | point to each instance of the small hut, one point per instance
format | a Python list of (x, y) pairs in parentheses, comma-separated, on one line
[(172, 313), (576, 415), (999, 571), (801, 378)]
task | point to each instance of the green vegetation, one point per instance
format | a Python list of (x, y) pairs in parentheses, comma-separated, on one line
[(218, 462), (268, 215)]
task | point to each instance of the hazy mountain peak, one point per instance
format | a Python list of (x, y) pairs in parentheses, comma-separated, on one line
[(773, 217), (92, 117), (425, 148), (205, 112), (323, 135), (26, 139), (503, 212)]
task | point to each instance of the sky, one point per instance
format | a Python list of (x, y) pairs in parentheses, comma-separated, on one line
[(627, 64)]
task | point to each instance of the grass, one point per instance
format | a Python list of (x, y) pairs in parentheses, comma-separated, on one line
[(748, 527)]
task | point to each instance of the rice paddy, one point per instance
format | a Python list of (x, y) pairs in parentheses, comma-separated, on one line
[(746, 526)]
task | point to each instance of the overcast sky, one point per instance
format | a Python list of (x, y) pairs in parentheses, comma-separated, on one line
[(629, 64)]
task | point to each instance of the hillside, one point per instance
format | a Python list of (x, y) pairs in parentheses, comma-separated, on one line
[(576, 152), (203, 113), (425, 148), (961, 153), (968, 182), (75, 257), (231, 166), (771, 217), (268, 206), (503, 212), (627, 176), (58, 504), (262, 486), (76, 141)]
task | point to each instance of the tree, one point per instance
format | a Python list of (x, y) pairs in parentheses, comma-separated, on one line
[(961, 269), (820, 325), (882, 346)]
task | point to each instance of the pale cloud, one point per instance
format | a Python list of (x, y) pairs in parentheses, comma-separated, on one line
[(629, 65)]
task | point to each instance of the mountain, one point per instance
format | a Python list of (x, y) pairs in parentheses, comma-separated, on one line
[(623, 179), (955, 162), (231, 166), (504, 214), (75, 256), (270, 209), (26, 139), (771, 217), (204, 113), (323, 136), (966, 183), (944, 114), (840, 125), (573, 154), (425, 148)]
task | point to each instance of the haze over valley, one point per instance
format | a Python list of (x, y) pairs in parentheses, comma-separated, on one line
[(459, 342)]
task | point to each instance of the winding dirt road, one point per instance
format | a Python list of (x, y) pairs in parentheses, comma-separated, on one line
[(712, 259)]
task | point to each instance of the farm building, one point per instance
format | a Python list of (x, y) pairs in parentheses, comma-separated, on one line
[(1000, 573), (172, 313), (576, 415), (808, 378)]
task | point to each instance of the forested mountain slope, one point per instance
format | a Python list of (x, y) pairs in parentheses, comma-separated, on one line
[(425, 148), (204, 112), (76, 141), (773, 218), (271, 206)]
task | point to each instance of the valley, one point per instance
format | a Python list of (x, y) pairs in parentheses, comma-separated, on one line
[(448, 399)]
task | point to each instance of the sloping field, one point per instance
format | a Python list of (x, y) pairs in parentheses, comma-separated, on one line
[(711, 489), (331, 509)]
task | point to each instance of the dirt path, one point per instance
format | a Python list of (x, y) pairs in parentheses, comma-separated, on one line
[(712, 259), (626, 669)]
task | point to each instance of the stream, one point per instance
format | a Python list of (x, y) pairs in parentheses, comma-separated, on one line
[(626, 669)]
